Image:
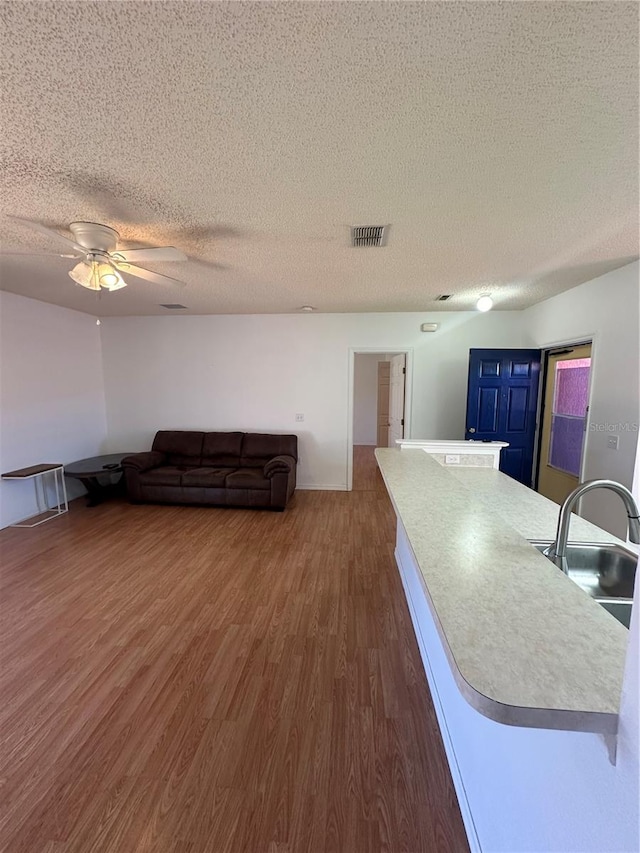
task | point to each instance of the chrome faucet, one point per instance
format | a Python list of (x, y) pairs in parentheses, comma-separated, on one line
[(557, 551)]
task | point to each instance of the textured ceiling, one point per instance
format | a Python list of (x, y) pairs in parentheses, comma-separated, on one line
[(499, 140)]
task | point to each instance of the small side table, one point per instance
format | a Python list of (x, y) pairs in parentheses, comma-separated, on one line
[(37, 473), (96, 475)]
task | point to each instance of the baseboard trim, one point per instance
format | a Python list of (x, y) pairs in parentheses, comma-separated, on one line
[(321, 488)]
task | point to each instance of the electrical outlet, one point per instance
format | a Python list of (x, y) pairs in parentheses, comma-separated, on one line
[(613, 441), (299, 417), (451, 459)]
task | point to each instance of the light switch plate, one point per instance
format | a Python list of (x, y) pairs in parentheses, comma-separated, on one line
[(613, 441), (299, 417)]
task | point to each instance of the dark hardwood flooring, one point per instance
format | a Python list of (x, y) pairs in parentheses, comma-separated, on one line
[(186, 680)]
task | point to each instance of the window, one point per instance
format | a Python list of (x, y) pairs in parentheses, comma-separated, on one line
[(569, 414)]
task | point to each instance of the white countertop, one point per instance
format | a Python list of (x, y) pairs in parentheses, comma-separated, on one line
[(469, 445), (526, 645)]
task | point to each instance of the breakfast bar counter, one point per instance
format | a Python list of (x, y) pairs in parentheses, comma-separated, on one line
[(518, 633), (533, 682)]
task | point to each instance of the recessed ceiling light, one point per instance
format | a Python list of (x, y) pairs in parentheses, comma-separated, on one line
[(307, 308), (485, 303)]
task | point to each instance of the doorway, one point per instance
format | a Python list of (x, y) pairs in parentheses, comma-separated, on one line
[(564, 420), (379, 403)]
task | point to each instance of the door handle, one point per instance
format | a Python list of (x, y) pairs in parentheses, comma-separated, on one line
[(471, 429)]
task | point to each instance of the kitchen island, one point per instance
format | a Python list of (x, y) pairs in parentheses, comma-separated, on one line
[(536, 697)]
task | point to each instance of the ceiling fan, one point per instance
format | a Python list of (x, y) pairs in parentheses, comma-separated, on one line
[(101, 262)]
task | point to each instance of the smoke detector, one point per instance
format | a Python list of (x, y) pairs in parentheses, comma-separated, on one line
[(366, 236)]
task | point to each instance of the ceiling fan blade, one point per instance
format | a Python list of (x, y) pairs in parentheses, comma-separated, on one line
[(161, 253), (37, 226), (40, 254), (155, 277)]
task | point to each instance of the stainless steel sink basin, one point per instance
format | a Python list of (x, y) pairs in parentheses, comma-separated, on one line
[(605, 572), (618, 607)]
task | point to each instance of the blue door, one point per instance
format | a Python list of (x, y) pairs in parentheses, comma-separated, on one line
[(502, 400)]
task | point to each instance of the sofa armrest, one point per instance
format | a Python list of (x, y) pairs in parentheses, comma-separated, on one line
[(143, 461), (279, 465)]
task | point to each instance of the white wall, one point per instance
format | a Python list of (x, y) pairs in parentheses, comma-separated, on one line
[(51, 394), (255, 372), (365, 397), (606, 309)]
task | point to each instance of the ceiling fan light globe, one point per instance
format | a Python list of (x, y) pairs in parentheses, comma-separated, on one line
[(83, 275), (107, 276), (119, 282)]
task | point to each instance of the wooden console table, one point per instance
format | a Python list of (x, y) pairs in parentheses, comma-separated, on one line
[(37, 473)]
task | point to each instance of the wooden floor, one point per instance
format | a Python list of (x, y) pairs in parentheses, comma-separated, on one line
[(186, 680)]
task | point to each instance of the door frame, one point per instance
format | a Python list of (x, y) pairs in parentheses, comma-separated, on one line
[(579, 340), (408, 395)]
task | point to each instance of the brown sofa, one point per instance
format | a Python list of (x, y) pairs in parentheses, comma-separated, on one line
[(222, 468)]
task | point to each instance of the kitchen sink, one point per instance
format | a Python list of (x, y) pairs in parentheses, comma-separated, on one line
[(620, 608), (605, 572)]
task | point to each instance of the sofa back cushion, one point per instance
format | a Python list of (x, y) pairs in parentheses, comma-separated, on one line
[(222, 449), (258, 448), (182, 447)]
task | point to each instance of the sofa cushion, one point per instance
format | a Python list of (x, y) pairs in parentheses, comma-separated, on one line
[(213, 478), (279, 465), (143, 461), (182, 447), (248, 478), (258, 448), (165, 475), (222, 449)]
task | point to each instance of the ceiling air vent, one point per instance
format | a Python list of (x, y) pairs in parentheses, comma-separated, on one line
[(368, 235), (173, 306), (443, 297)]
